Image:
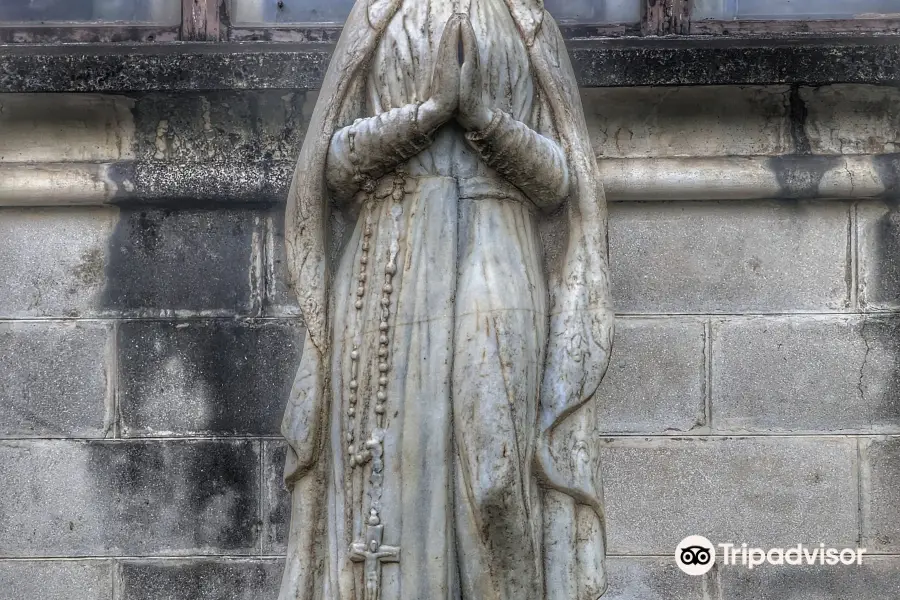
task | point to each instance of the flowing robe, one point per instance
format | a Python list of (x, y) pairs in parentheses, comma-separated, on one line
[(466, 326)]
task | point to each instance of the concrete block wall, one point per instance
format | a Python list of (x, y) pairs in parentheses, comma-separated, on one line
[(146, 351)]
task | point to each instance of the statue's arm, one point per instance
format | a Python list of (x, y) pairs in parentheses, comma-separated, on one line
[(370, 148), (534, 163)]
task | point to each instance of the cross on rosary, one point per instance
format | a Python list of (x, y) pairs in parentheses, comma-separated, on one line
[(373, 554)]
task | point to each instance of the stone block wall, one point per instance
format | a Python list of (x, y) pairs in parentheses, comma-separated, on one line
[(146, 350)]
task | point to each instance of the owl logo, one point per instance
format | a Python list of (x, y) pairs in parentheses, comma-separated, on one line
[(695, 555)]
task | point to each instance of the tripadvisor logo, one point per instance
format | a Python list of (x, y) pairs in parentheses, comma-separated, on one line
[(696, 555)]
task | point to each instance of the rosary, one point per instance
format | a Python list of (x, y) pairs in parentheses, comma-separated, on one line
[(371, 448)]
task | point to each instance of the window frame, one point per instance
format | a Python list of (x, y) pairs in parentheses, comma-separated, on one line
[(208, 20), (795, 27), (104, 32)]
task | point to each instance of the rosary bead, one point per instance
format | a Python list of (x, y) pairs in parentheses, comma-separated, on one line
[(383, 326), (362, 277), (388, 288), (349, 437), (381, 396), (390, 268), (353, 384), (360, 291), (385, 301), (365, 246), (358, 304), (364, 259), (383, 367), (354, 355), (379, 409), (382, 351), (382, 381)]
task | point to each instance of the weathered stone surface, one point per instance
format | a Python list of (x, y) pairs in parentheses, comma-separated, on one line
[(63, 498), (56, 579), (852, 119), (771, 492), (598, 63), (54, 380), (729, 257), (656, 378), (278, 300), (169, 262), (178, 185), (265, 125), (879, 254), (199, 579), (881, 494), (276, 499), (209, 377), (52, 261), (806, 374), (877, 578), (84, 127), (656, 122), (632, 578)]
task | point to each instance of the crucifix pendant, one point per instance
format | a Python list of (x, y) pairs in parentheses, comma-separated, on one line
[(372, 553)]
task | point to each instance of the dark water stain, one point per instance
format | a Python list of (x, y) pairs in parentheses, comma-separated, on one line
[(225, 471), (799, 176), (199, 579), (180, 260), (797, 116), (240, 373), (173, 496), (279, 513), (160, 497), (888, 168)]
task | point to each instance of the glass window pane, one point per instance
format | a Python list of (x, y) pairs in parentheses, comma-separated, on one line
[(816, 9), (792, 9), (595, 11), (160, 12), (255, 12), (714, 9)]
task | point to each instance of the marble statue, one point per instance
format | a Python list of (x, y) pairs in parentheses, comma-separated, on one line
[(446, 236)]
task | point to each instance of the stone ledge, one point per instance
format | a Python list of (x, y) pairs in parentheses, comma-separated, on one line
[(618, 62), (170, 183)]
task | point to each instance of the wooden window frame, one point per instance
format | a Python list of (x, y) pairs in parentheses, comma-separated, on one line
[(201, 20), (208, 20)]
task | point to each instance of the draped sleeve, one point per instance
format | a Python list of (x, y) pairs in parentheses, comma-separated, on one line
[(537, 164)]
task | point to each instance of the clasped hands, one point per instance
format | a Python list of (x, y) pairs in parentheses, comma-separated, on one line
[(456, 85)]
